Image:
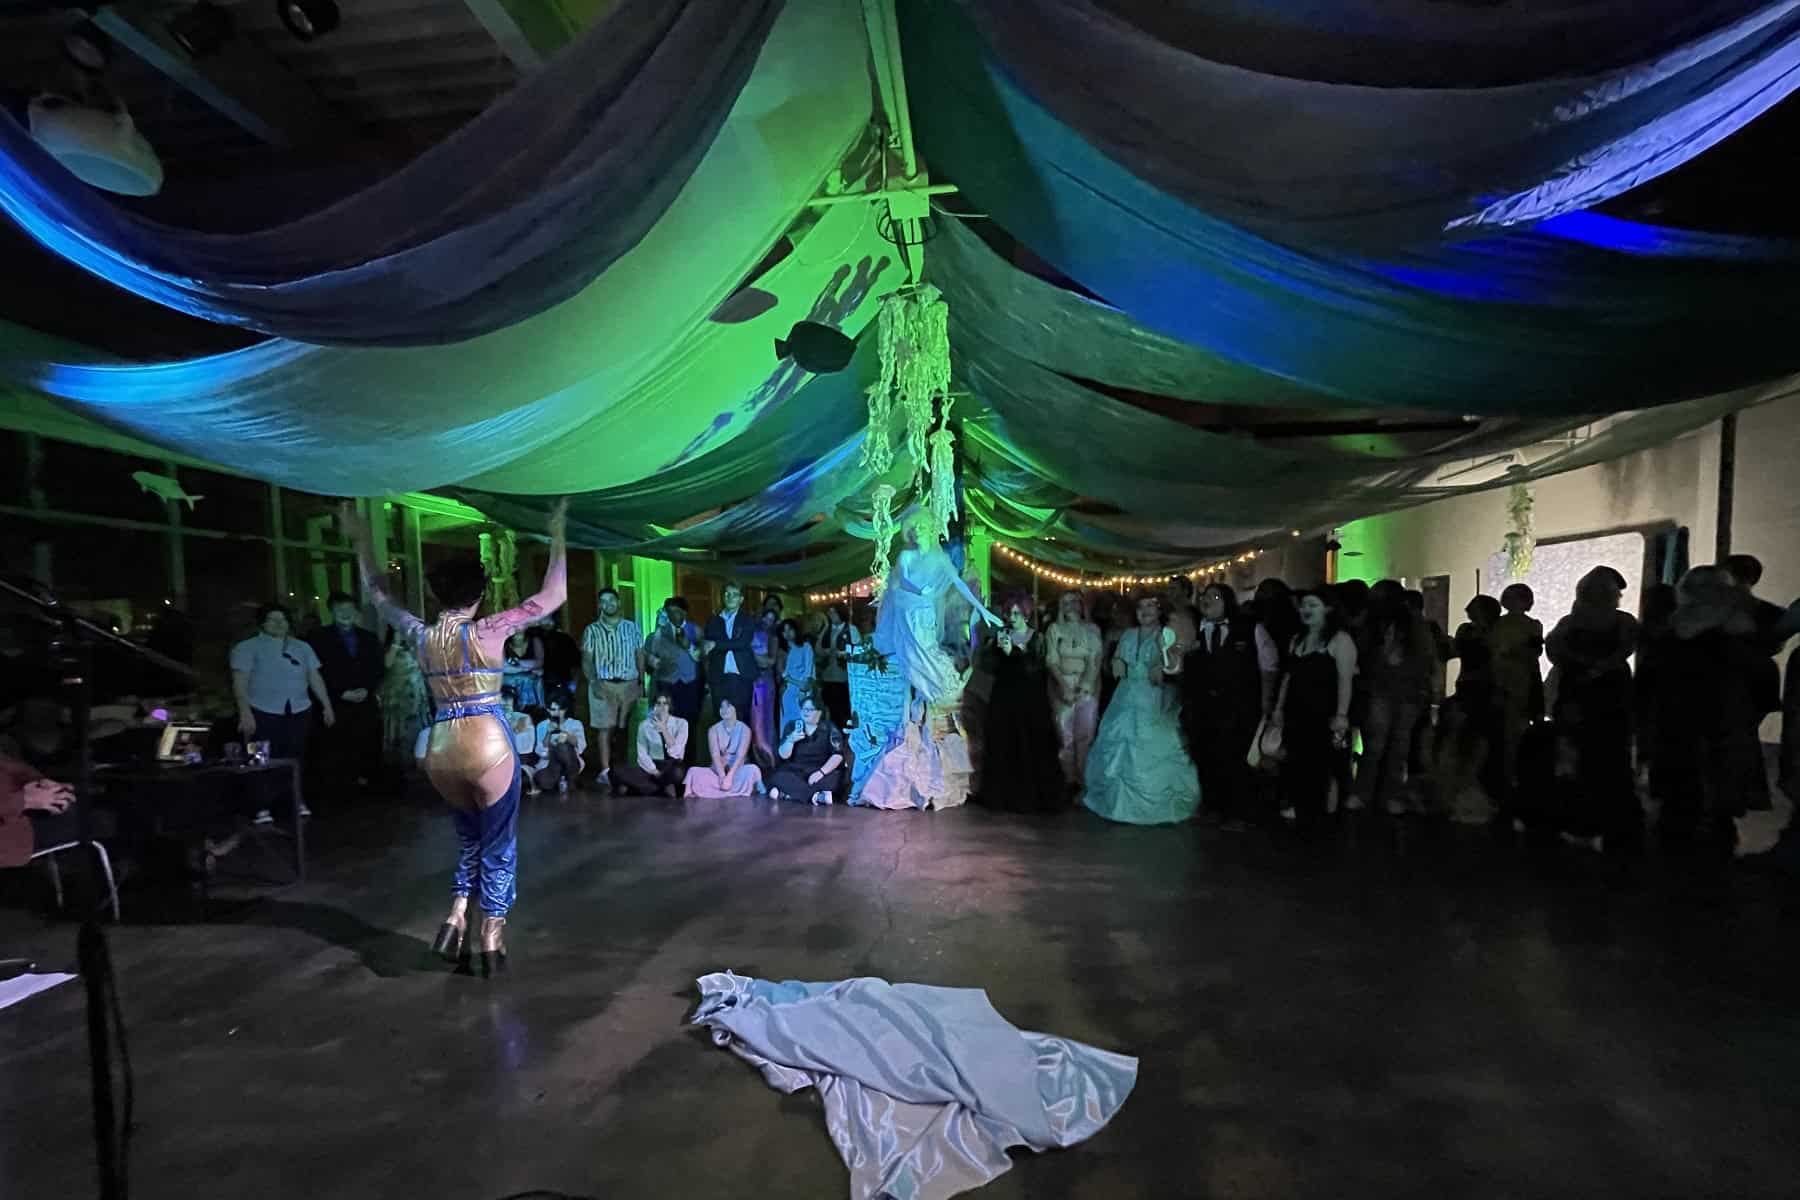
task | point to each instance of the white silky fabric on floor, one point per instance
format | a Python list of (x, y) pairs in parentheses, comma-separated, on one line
[(925, 1088)]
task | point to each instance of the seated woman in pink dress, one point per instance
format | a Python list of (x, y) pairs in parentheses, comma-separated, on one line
[(730, 773)]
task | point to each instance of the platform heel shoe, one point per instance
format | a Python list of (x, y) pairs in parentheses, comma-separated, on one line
[(449, 943), (490, 955)]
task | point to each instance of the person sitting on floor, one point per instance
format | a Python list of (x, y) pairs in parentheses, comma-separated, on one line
[(661, 751), (810, 758), (561, 743), (728, 743)]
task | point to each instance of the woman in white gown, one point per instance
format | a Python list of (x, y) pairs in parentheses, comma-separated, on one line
[(1138, 771), (909, 627)]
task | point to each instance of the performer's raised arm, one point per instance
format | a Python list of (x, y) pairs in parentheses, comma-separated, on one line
[(549, 597), (374, 584)]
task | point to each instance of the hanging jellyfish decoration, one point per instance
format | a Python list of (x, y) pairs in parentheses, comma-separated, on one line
[(1521, 542), (500, 559), (913, 341)]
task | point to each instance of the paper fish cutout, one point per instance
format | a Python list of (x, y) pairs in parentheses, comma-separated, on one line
[(817, 348)]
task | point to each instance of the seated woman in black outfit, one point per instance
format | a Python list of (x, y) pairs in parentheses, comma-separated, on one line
[(810, 759)]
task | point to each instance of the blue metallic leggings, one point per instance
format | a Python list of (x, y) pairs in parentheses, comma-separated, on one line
[(489, 851)]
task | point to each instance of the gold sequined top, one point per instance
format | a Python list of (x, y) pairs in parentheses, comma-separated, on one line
[(468, 736)]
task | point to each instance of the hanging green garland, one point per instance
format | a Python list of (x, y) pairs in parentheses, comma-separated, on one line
[(500, 561), (881, 519), (1521, 542)]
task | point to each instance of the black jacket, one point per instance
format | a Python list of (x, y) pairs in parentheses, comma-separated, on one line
[(344, 670)]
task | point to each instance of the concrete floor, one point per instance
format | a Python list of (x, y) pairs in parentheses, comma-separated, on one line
[(1436, 1017)]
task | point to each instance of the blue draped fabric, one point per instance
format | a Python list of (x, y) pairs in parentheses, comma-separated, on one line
[(1335, 164), (1389, 43), (1522, 324), (515, 212), (924, 1088)]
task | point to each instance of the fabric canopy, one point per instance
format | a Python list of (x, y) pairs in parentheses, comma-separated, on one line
[(1387, 44), (1526, 324), (1352, 166), (625, 379), (520, 209)]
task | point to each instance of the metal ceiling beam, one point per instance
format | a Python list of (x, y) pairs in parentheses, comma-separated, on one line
[(527, 31), (246, 86)]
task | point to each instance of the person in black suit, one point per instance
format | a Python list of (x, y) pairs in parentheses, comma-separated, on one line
[(730, 663), (1222, 700), (351, 663)]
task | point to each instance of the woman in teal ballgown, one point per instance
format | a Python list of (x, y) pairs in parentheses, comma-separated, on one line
[(1138, 771)]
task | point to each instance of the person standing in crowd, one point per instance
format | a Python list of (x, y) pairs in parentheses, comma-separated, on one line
[(1475, 707), (274, 677), (730, 664), (810, 759), (731, 774), (470, 755), (1312, 708), (525, 668), (1115, 616), (1137, 772), (560, 742), (796, 671), (1073, 650), (1222, 702), (1397, 658), (661, 751), (1590, 652), (765, 701), (1517, 642), (674, 656), (612, 658), (350, 662), (1708, 768), (562, 658), (837, 643), (405, 702), (1021, 761)]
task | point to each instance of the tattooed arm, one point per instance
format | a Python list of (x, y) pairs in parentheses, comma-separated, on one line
[(493, 631)]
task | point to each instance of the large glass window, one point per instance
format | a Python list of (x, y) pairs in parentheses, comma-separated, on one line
[(310, 519), (232, 503), (101, 483), (227, 581)]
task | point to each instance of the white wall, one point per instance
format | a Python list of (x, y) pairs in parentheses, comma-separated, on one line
[(1674, 483)]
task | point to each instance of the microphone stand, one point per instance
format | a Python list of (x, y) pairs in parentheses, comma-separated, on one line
[(71, 653)]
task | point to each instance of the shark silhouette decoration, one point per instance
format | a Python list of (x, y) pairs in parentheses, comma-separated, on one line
[(165, 488)]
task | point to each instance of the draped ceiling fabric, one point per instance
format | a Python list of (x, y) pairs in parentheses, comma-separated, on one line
[(625, 379), (1346, 165), (1529, 323), (515, 212)]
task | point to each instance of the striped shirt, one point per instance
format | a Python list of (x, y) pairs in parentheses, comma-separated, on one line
[(611, 653)]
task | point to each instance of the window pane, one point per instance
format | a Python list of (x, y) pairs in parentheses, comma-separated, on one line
[(12, 467), (310, 519), (82, 479), (312, 575), (227, 581), (232, 503)]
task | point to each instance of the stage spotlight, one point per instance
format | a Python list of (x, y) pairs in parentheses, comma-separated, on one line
[(201, 30), (308, 19)]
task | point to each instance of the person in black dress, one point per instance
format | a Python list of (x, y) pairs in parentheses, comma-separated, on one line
[(809, 762), (1591, 649), (1021, 770), (1313, 709), (1221, 704)]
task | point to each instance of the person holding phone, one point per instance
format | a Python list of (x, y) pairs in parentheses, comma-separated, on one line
[(810, 757)]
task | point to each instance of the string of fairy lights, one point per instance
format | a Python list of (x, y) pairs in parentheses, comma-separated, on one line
[(1081, 580), (1072, 579)]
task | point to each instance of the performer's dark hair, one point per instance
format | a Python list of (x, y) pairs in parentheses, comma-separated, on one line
[(262, 614), (458, 582), (338, 598)]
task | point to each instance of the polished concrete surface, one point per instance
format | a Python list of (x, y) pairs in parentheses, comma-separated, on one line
[(1429, 1014)]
